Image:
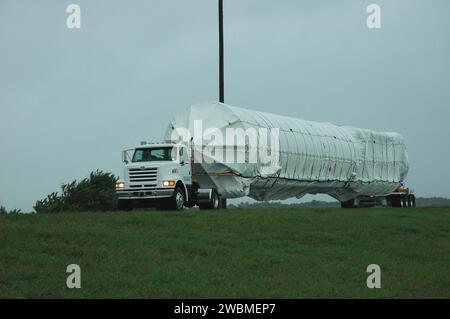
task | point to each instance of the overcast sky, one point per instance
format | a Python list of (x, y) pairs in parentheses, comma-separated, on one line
[(72, 99)]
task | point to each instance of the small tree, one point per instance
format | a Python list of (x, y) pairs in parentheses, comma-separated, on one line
[(53, 203), (95, 193)]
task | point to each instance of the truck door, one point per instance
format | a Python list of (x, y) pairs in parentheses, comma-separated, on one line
[(185, 165)]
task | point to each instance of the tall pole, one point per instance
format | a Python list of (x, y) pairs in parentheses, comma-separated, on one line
[(221, 59), (223, 201)]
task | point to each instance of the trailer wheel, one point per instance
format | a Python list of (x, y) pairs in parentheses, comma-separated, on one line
[(411, 200), (408, 200), (214, 203), (395, 200), (125, 205), (348, 204), (404, 201)]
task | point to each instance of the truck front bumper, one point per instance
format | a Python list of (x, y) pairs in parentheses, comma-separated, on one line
[(145, 193)]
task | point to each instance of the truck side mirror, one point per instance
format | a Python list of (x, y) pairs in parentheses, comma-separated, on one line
[(181, 155), (124, 157)]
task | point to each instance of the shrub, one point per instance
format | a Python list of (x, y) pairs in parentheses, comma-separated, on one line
[(4, 211), (52, 204), (95, 193)]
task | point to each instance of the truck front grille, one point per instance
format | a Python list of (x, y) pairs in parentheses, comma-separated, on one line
[(144, 176)]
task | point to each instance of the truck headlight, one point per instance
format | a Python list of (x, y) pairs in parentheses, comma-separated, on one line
[(168, 183), (120, 185)]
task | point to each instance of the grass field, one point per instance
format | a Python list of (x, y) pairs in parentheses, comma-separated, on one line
[(301, 253)]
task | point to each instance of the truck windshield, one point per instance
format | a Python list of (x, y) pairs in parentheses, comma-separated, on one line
[(152, 154)]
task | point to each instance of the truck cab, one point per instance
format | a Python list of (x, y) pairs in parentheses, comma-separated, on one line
[(160, 175)]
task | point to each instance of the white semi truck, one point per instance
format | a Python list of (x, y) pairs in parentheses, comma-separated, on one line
[(162, 175), (214, 151)]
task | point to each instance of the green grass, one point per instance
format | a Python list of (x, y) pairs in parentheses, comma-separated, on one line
[(298, 253)]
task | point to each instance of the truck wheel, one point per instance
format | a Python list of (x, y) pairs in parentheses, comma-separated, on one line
[(214, 203), (125, 205), (178, 199)]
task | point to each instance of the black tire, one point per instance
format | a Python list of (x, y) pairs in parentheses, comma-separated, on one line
[(223, 203), (395, 200), (412, 200), (125, 205), (348, 204), (408, 201), (176, 202), (214, 203), (404, 201)]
